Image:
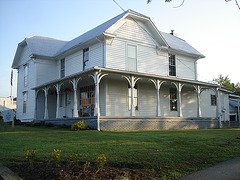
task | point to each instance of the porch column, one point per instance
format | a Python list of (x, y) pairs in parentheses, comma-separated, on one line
[(75, 107), (132, 82), (57, 86), (35, 108), (198, 90), (179, 107), (46, 103), (97, 76), (158, 84)]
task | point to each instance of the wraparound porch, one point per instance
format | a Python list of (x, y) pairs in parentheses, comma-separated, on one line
[(63, 98)]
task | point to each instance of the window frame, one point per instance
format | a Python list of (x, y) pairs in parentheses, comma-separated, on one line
[(173, 100), (25, 74), (129, 58), (213, 100), (172, 65), (62, 68), (135, 97), (25, 102), (85, 58)]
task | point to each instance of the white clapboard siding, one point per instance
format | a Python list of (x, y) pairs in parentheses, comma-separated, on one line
[(185, 67), (31, 82), (25, 56), (116, 55), (117, 98), (40, 104), (96, 55), (135, 31), (102, 97), (205, 100), (149, 61), (44, 68), (189, 102), (147, 99), (73, 63)]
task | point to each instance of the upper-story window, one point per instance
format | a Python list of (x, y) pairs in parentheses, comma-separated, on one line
[(131, 58), (62, 68), (85, 58), (25, 75), (213, 100), (172, 65), (135, 97), (173, 99), (24, 102)]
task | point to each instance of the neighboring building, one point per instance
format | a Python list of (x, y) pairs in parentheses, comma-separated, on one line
[(234, 107), (7, 103), (124, 74)]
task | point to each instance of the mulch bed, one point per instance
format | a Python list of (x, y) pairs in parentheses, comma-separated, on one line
[(51, 171)]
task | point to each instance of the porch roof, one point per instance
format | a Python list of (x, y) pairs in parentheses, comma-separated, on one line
[(123, 72)]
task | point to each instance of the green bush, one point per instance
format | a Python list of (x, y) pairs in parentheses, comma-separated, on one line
[(80, 125)]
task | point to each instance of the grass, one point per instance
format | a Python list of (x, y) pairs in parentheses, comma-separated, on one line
[(175, 153)]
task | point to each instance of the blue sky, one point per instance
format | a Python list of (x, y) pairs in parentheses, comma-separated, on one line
[(212, 27)]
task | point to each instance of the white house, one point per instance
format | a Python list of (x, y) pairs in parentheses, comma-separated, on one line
[(124, 74)]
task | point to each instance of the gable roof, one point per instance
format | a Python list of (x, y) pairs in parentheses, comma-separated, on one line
[(49, 47)]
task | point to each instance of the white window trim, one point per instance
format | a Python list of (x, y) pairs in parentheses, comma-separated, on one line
[(126, 54)]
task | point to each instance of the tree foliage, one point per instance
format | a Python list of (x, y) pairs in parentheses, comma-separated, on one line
[(237, 4), (225, 82)]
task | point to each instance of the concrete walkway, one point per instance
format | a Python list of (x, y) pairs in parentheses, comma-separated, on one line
[(7, 174), (229, 170)]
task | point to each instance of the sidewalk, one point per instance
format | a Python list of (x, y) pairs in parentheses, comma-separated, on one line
[(229, 170)]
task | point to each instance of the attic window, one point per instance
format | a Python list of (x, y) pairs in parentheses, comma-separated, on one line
[(85, 58)]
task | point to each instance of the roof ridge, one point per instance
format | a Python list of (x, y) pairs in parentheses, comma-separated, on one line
[(32, 36)]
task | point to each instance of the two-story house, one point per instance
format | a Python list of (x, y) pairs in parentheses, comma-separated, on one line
[(124, 74)]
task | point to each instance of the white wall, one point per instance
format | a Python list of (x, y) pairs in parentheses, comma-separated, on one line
[(46, 71), (149, 59)]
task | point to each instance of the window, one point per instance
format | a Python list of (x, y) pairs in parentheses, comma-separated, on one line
[(24, 102), (25, 75), (135, 97), (62, 70), (85, 58), (172, 65), (213, 100), (87, 96), (131, 58), (173, 99)]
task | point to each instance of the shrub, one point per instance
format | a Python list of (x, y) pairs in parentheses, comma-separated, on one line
[(80, 125)]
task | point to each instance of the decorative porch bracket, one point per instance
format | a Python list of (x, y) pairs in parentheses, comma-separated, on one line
[(157, 84), (132, 80), (75, 107), (179, 87)]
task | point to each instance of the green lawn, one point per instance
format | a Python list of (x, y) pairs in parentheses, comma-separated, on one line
[(176, 153)]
